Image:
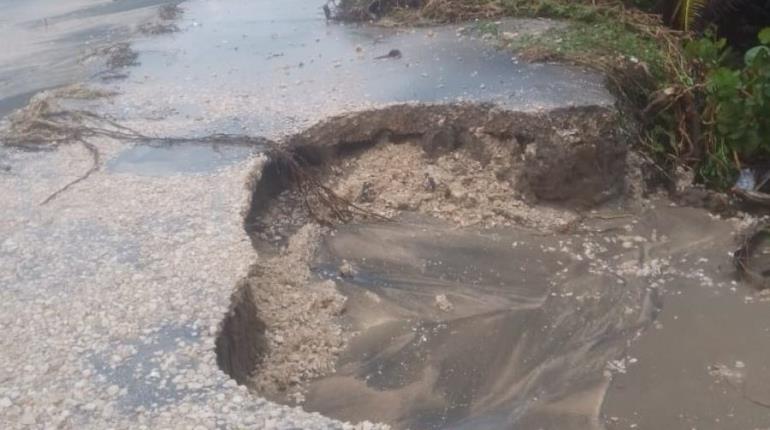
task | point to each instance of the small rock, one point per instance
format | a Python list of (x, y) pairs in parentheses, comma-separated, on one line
[(443, 303), (5, 402), (429, 184), (28, 419), (367, 194), (508, 36), (9, 245), (457, 191), (347, 270)]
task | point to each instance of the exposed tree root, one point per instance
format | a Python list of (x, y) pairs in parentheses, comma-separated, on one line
[(44, 125), (94, 167), (324, 205)]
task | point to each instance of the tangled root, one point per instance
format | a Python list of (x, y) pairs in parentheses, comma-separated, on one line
[(44, 125), (323, 205)]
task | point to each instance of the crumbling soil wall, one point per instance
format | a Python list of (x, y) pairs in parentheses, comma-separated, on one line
[(241, 343), (571, 155)]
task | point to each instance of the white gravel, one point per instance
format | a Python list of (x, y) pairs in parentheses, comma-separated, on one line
[(111, 296)]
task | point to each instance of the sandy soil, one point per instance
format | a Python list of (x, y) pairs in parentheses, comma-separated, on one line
[(303, 334), (465, 188)]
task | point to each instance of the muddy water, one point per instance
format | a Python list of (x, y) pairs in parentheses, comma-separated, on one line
[(704, 364), (524, 341), (46, 44), (510, 329)]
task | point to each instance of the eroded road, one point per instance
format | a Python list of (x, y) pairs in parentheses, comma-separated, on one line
[(111, 295)]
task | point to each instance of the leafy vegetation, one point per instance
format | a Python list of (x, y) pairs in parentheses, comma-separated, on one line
[(736, 108), (702, 104), (687, 12)]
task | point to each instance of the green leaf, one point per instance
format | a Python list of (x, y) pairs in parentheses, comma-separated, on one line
[(724, 83), (688, 11), (756, 53), (764, 36)]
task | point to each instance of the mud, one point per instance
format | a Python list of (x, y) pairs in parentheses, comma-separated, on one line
[(526, 343), (703, 364)]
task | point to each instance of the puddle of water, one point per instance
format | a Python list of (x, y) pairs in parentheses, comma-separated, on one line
[(190, 158)]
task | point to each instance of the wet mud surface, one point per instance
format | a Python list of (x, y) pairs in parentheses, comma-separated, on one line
[(538, 325), (703, 365), (524, 342)]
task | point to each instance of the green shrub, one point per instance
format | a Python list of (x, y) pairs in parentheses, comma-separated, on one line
[(737, 107)]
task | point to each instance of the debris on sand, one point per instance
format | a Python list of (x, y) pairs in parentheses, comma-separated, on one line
[(347, 270), (44, 124), (169, 12), (163, 24), (156, 28), (440, 10), (392, 54), (119, 55), (443, 303), (748, 258), (464, 187)]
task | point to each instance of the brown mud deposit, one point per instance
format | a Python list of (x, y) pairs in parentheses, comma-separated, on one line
[(478, 268)]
